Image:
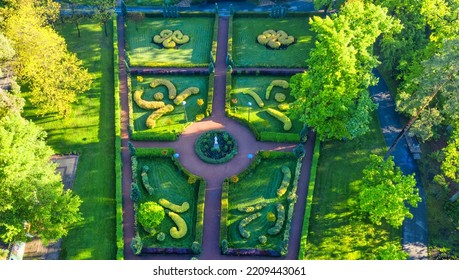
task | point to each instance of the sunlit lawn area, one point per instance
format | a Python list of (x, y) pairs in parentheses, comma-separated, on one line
[(336, 230), (89, 131), (248, 53), (260, 120), (172, 123), (143, 52)]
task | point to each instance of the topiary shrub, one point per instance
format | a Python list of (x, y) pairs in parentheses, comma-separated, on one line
[(304, 133), (170, 39), (136, 245), (161, 236), (172, 91), (224, 246), (158, 96), (287, 175), (151, 120), (279, 221), (234, 179), (150, 215), (181, 228), (146, 181), (192, 179), (275, 83), (299, 151), (139, 79), (253, 94), (280, 97), (148, 105), (185, 94), (275, 39), (281, 117), (174, 207), (271, 217), (199, 117), (135, 192), (200, 102), (244, 222), (253, 208), (196, 247), (262, 239)]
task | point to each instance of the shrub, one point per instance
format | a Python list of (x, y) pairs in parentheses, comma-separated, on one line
[(150, 215), (200, 102), (244, 222), (136, 245), (299, 151), (224, 246), (146, 181), (199, 117), (172, 91), (271, 217), (275, 40), (139, 79), (253, 94), (161, 236), (279, 221), (170, 39), (304, 133), (283, 106), (287, 175), (149, 105), (252, 208), (275, 83), (185, 94), (151, 120), (196, 247), (262, 239), (234, 179), (279, 97), (281, 117), (174, 207), (192, 179), (158, 96), (181, 228), (135, 192)]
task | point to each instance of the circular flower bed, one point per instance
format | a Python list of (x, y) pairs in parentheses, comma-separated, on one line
[(216, 146)]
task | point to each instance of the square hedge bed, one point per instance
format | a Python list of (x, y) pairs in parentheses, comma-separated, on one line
[(247, 52), (266, 127), (171, 124), (269, 200), (142, 51), (170, 181)]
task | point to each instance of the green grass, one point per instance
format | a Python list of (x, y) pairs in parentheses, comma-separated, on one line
[(336, 229), (260, 120), (89, 131), (142, 52), (169, 183), (253, 188), (173, 122), (248, 53)]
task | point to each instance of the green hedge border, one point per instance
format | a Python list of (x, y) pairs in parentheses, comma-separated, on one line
[(118, 162), (201, 195), (215, 39), (307, 213)]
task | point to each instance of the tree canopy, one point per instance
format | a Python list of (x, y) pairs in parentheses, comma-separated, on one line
[(32, 198), (384, 190), (332, 96)]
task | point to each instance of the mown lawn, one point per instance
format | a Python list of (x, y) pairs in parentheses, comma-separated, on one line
[(260, 120), (143, 52), (337, 230), (259, 186), (175, 121), (89, 131), (248, 53)]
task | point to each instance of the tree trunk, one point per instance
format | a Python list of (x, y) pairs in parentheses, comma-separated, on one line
[(78, 29), (105, 29)]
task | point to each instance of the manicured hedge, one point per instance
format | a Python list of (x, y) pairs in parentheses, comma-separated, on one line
[(279, 137), (210, 94)]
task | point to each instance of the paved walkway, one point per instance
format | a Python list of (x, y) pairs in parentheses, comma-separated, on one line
[(213, 174), (414, 230)]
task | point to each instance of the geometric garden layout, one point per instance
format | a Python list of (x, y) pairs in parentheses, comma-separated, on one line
[(217, 164)]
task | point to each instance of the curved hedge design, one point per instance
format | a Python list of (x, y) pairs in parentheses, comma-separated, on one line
[(207, 151), (172, 91), (275, 39), (276, 83), (181, 229), (185, 94), (283, 106), (146, 181), (149, 105), (151, 120), (253, 208), (281, 117), (253, 94), (279, 97), (170, 39), (287, 175), (244, 222), (280, 220), (174, 207)]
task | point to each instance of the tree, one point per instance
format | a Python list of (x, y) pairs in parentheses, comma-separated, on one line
[(332, 96), (105, 9), (150, 215), (54, 75), (76, 16), (450, 164), (32, 197), (385, 191)]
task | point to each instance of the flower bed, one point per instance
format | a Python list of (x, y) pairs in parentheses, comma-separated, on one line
[(216, 146)]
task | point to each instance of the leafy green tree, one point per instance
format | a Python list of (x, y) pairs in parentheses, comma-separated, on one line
[(54, 75), (390, 251), (332, 96), (105, 10), (385, 191), (32, 196), (150, 215), (450, 164)]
